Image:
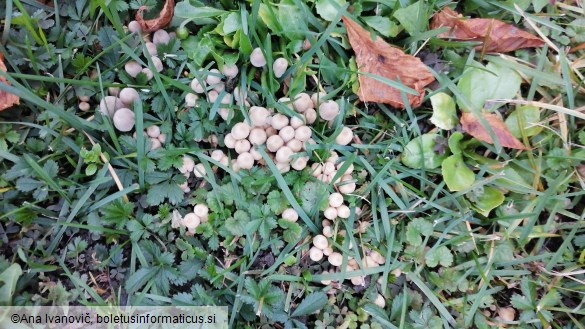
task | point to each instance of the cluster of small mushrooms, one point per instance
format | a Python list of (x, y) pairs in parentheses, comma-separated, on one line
[(191, 220)]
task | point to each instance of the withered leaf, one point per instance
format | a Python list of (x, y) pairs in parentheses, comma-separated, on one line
[(473, 126), (6, 99), (379, 58), (496, 36), (163, 19)]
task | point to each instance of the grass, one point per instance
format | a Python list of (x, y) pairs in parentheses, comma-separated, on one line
[(452, 259)]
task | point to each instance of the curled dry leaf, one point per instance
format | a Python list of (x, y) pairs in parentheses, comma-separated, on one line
[(6, 99), (163, 19), (473, 126), (497, 36), (379, 58)]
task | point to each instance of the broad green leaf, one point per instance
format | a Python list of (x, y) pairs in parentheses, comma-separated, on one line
[(478, 84), (292, 20), (504, 251), (444, 112), (413, 18), (420, 153), (539, 4), (184, 9), (383, 25), (441, 255), (456, 174), (417, 228), (488, 200), (455, 142), (327, 10), (311, 303), (232, 23), (8, 280), (530, 118)]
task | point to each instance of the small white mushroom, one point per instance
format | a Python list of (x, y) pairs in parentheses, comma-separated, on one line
[(202, 211), (212, 96), (286, 133), (296, 122), (110, 104), (158, 65), (213, 77), (153, 131), (255, 154), (345, 136), (274, 143), (257, 58), (368, 261), (151, 49), (240, 130), (148, 73), (155, 143), (291, 215), (303, 133), (295, 145), (257, 136), (229, 141), (134, 27), (191, 99), (279, 67), (132, 68), (328, 231), (199, 170), (358, 281), (191, 221), (326, 222), (187, 166), (258, 116), (310, 116), (123, 119), (328, 168), (335, 259), (300, 163), (84, 106), (316, 169), (224, 113), (347, 188), (343, 211), (243, 145), (317, 99), (128, 96), (320, 241), (230, 70), (380, 301), (335, 200), (245, 161), (217, 155), (283, 167), (377, 257), (114, 91), (270, 131), (327, 251), (315, 254), (330, 213), (161, 37), (328, 110), (279, 121), (507, 313), (283, 155), (196, 86), (302, 102), (162, 137)]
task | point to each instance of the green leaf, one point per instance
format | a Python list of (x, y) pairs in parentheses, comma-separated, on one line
[(139, 278), (8, 279), (313, 302), (136, 229), (292, 231), (232, 23), (237, 224), (479, 84), (504, 251), (166, 190), (327, 10), (414, 18), (420, 152), (488, 200), (441, 255), (90, 169), (456, 174), (277, 202), (417, 227), (444, 112), (425, 319), (530, 118), (184, 9), (314, 196), (292, 20), (383, 25)]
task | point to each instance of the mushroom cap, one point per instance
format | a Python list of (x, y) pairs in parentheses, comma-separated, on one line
[(335, 259), (134, 27), (507, 313), (162, 137), (213, 77), (347, 188), (315, 254), (110, 104), (257, 58), (196, 86), (358, 281), (151, 49), (283, 167), (84, 106), (161, 37), (240, 130), (257, 136), (255, 154), (330, 213), (243, 145), (158, 65), (380, 301), (199, 170), (229, 141), (328, 168), (132, 68), (191, 99), (114, 91), (300, 163), (279, 67), (217, 155), (258, 115), (287, 133), (327, 251), (345, 136), (377, 257), (270, 131), (148, 73), (128, 95), (187, 166), (368, 261), (328, 231), (328, 110), (123, 119), (230, 70), (303, 133), (153, 131), (154, 143), (290, 215), (343, 211), (302, 102), (191, 221), (278, 121), (320, 241), (335, 200), (310, 116), (295, 145), (245, 160), (296, 122), (283, 155), (317, 98), (201, 210), (212, 96), (274, 143)]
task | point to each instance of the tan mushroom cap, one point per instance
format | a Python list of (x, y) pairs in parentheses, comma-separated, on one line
[(123, 119)]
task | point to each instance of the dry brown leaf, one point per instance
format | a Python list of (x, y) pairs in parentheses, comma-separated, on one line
[(497, 36), (472, 125), (163, 19), (6, 99), (379, 58)]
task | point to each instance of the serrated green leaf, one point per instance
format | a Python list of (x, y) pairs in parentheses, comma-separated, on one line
[(313, 302), (292, 231), (417, 228), (441, 255)]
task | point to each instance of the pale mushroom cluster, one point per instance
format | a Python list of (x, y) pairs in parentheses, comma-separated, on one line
[(191, 220), (189, 167), (118, 107), (156, 137), (328, 172)]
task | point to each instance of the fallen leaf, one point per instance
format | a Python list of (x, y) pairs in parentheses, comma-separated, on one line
[(473, 126), (379, 58), (163, 19), (497, 36), (6, 99)]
